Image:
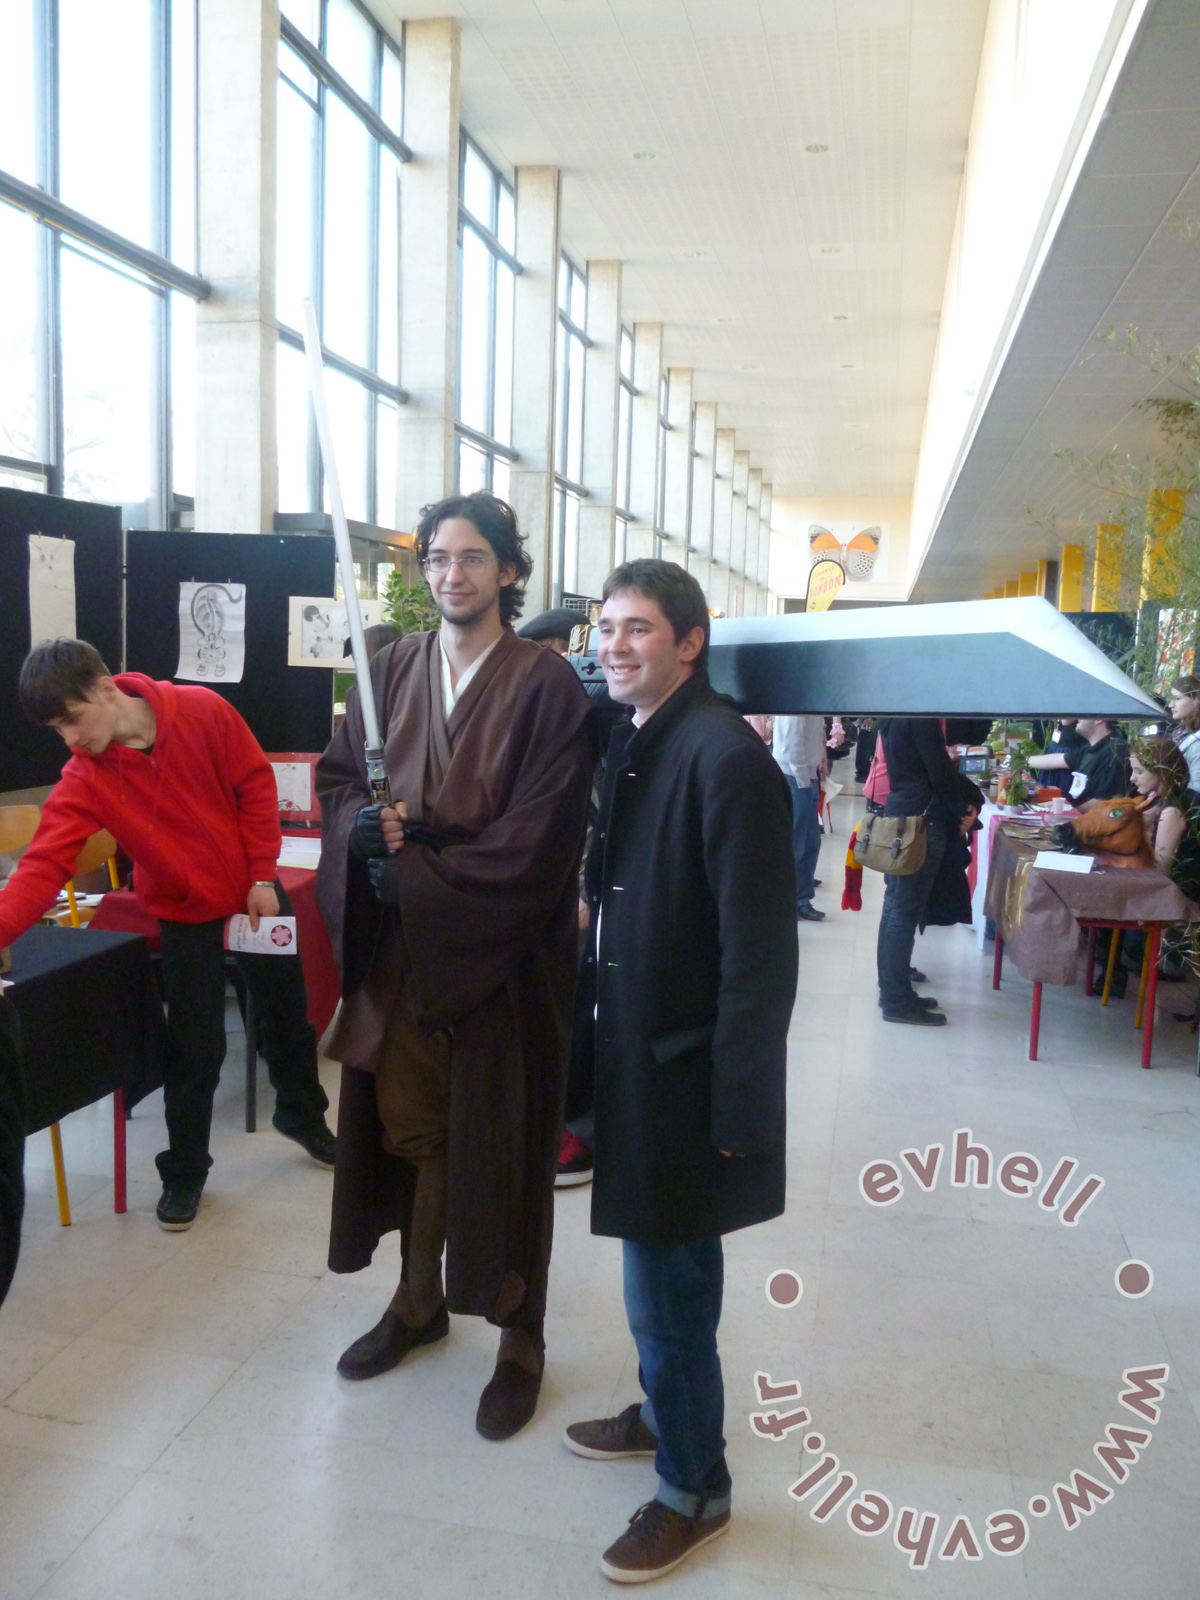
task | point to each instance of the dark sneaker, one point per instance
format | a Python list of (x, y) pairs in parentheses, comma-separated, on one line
[(916, 977), (386, 1344), (180, 1202), (656, 1541), (925, 1000), (318, 1142), (574, 1162), (807, 912), (917, 1015), (612, 1438)]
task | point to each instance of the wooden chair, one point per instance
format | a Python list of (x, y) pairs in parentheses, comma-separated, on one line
[(18, 824)]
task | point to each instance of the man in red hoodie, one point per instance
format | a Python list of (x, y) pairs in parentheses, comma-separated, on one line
[(179, 780)]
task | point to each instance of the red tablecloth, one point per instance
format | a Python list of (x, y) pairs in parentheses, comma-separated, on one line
[(119, 912)]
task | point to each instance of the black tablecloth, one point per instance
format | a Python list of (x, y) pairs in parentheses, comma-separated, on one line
[(12, 1145), (90, 1019)]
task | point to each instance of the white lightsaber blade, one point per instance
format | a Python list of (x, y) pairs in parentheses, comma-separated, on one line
[(376, 769)]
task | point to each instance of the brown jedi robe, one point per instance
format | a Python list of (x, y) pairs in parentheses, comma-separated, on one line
[(484, 942)]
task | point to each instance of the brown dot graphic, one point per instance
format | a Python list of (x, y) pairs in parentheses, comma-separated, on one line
[(784, 1289), (1039, 1506), (1134, 1279), (814, 1442)]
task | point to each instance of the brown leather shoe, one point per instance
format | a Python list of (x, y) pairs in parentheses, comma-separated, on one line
[(508, 1402), (388, 1342), (656, 1541)]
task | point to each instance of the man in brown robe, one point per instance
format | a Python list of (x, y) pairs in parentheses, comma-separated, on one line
[(453, 915)]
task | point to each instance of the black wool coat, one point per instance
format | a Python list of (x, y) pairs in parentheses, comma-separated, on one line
[(687, 994)]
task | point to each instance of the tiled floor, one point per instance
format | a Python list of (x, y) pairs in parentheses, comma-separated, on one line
[(171, 1424)]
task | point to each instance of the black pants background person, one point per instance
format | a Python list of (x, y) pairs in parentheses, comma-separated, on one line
[(12, 1144)]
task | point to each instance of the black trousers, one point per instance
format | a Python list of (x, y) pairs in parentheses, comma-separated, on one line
[(193, 968), (12, 1144)]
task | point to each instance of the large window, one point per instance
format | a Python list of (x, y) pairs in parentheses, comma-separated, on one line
[(570, 359), (487, 269), (625, 396), (341, 110), (98, 252)]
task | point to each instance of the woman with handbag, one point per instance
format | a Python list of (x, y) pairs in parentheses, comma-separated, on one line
[(928, 791)]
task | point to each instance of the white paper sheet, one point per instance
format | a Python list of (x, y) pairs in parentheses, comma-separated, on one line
[(212, 632), (300, 853), (51, 589), (276, 936), (293, 779), (318, 630), (1059, 861)]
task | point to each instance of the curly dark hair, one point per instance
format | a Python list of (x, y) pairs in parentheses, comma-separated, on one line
[(497, 522)]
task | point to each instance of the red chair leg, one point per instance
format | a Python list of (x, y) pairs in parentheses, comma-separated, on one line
[(1035, 1021), (1151, 993), (998, 962), (119, 1151)]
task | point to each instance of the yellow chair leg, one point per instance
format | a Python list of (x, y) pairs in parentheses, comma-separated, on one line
[(1142, 982), (60, 1176), (1114, 946)]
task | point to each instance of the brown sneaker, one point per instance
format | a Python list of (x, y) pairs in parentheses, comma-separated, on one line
[(612, 1438), (656, 1541)]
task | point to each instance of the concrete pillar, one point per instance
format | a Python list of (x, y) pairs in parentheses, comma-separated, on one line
[(719, 591), (237, 479), (643, 455), (1160, 554), (1106, 580), (601, 386), (700, 557), (1070, 583), (753, 513), (535, 330), (678, 446), (428, 267), (764, 552)]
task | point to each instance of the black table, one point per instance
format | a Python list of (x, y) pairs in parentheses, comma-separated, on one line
[(90, 1023)]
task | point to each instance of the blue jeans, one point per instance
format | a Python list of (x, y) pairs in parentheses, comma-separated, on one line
[(673, 1302), (806, 836), (903, 904)]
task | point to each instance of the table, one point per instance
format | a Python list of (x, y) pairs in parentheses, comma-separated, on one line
[(1039, 915), (90, 1026), (119, 909)]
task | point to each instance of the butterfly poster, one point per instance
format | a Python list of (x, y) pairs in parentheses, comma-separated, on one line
[(854, 546)]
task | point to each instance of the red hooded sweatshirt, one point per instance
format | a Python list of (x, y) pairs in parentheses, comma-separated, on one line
[(198, 814)]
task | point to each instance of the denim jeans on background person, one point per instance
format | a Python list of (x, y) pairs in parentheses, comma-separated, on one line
[(193, 969), (806, 835), (903, 903), (673, 1302)]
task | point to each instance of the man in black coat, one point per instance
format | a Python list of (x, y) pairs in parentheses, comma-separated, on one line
[(693, 944)]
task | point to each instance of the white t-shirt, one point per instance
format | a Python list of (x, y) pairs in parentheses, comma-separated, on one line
[(451, 692)]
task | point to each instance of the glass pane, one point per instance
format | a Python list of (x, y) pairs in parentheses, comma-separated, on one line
[(627, 354), (556, 541), (622, 541), (293, 69), (475, 333), (183, 133), (183, 394), (472, 468), (350, 47), (578, 352), (294, 205), (109, 344), (348, 417), (564, 285), (107, 114), (562, 380), (291, 420), (624, 420), (502, 416), (571, 544), (31, 482), (387, 440), (306, 14), (18, 107), (349, 157), (388, 363), (506, 226), (578, 299), (478, 184), (500, 478), (391, 98), (22, 341)]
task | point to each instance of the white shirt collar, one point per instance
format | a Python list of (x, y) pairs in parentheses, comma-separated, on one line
[(451, 692)]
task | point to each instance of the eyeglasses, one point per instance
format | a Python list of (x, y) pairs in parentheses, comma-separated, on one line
[(473, 561)]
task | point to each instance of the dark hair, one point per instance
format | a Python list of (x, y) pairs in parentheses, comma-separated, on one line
[(376, 638), (1188, 685), (676, 593), (497, 522), (57, 672), (1164, 761)]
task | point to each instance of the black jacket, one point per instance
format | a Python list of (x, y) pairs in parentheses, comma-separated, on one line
[(920, 771), (691, 885)]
